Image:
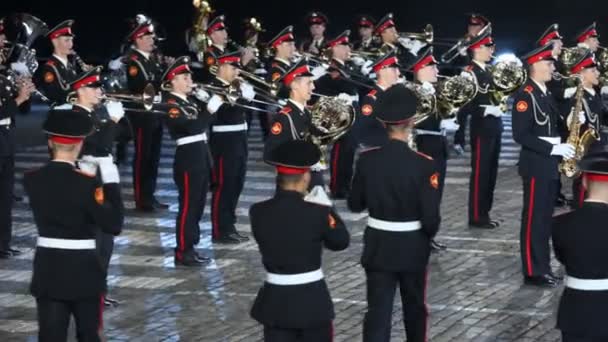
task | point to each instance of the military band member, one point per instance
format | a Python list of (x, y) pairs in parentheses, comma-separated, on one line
[(58, 72), (431, 133), (284, 48), (535, 128), (486, 136), (3, 45), (188, 123), (69, 207), (589, 38), (11, 97), (317, 23), (143, 69), (365, 29), (406, 48), (337, 82), (96, 155), (369, 132), (579, 240), (228, 143), (400, 189), (291, 222)]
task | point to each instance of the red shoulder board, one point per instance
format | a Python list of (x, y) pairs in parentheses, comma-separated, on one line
[(469, 68), (424, 155), (171, 101), (133, 57), (528, 89), (90, 175), (372, 93), (286, 110), (50, 62)]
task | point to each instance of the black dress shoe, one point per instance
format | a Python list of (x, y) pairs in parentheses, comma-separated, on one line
[(559, 278), (496, 224), (202, 258), (544, 280), (5, 254), (157, 205), (17, 198), (242, 236), (107, 301), (147, 208), (14, 252), (230, 239), (188, 262), (482, 225), (437, 246)]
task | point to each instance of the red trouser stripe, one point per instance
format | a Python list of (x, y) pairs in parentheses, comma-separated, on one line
[(581, 195), (101, 305), (476, 190), (137, 174), (218, 194), (529, 227), (334, 167), (184, 213)]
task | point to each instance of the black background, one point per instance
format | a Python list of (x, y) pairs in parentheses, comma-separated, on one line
[(101, 25)]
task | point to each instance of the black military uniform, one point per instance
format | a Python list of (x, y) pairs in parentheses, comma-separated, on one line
[(400, 189), (278, 67), (213, 51), (535, 128), (229, 149), (370, 132), (579, 243), (369, 44), (486, 139), (188, 123), (69, 207), (54, 77), (314, 18), (337, 81), (144, 69), (405, 55), (291, 233)]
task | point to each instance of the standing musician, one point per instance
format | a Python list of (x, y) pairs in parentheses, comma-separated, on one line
[(284, 48), (69, 207), (337, 82), (143, 68), (317, 23), (369, 131), (287, 223), (431, 133), (406, 48), (229, 149), (96, 154), (400, 189), (579, 238), (365, 29), (58, 72), (589, 38), (11, 97), (486, 135), (535, 127), (188, 123)]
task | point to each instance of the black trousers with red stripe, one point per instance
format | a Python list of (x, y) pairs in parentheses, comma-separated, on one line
[(341, 165), (316, 334), (54, 319), (229, 152), (380, 296), (7, 183), (148, 141), (539, 202), (191, 175), (485, 152)]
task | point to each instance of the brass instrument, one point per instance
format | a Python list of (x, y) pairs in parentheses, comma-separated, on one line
[(602, 61), (425, 36), (199, 27), (146, 99), (508, 75), (462, 43), (454, 92), (581, 140), (232, 94), (321, 60), (427, 102)]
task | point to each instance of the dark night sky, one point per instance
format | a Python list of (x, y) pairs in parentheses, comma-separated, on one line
[(517, 23)]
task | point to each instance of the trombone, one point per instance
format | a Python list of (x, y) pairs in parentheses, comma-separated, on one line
[(454, 51), (147, 100), (232, 94)]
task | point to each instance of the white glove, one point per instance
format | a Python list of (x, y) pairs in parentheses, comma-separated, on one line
[(428, 86), (108, 170), (318, 196), (116, 64), (20, 68), (449, 125), (247, 91), (366, 68), (319, 166), (581, 118), (604, 90), (569, 92), (563, 150), (492, 110), (157, 99), (317, 72), (359, 61), (116, 110), (282, 102), (215, 102), (201, 95), (413, 45), (462, 51), (88, 165), (348, 98), (65, 106)]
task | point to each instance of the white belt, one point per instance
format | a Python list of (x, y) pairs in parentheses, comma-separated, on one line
[(191, 138), (393, 226), (5, 122), (587, 284), (428, 132), (65, 243), (551, 140), (230, 128), (294, 279)]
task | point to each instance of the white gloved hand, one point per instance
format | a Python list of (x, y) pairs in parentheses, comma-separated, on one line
[(449, 125), (20, 68), (88, 164), (462, 51), (247, 91), (604, 90), (108, 170), (215, 102), (348, 98), (157, 99), (317, 72), (428, 87), (413, 45), (201, 95), (366, 68), (569, 92), (581, 118), (359, 61), (492, 110), (563, 150), (116, 110), (116, 64), (65, 106), (318, 196), (282, 102)]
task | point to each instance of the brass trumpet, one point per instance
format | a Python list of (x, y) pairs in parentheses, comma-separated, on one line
[(147, 100), (424, 36)]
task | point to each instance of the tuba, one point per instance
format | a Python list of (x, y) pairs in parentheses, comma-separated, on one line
[(24, 29), (454, 92)]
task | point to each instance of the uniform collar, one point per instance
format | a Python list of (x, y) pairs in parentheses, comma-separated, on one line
[(300, 106), (591, 91), (61, 161), (542, 88), (83, 107), (185, 98), (338, 61), (592, 201), (284, 61), (482, 66), (288, 193), (61, 60), (145, 54), (219, 47)]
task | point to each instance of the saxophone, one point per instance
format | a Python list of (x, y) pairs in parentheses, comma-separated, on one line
[(581, 140)]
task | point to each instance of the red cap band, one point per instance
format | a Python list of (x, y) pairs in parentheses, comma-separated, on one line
[(539, 57), (85, 81), (283, 38), (341, 40), (596, 177), (292, 75), (583, 64), (285, 170), (424, 62), (316, 20), (66, 140), (64, 31), (485, 41), (385, 25), (216, 27), (386, 63), (366, 23), (141, 32), (177, 70), (231, 59), (549, 37), (586, 35)]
